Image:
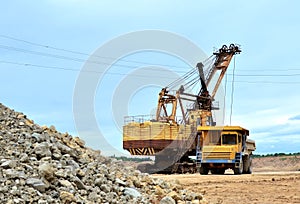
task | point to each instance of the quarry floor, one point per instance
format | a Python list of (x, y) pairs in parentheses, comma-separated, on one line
[(259, 187)]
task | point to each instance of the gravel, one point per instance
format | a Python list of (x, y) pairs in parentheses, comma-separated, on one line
[(41, 165)]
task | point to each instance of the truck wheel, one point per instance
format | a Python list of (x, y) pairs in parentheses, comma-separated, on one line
[(203, 170), (214, 171), (239, 170), (250, 166), (246, 164)]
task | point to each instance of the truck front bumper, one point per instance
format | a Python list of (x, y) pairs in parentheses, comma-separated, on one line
[(218, 161)]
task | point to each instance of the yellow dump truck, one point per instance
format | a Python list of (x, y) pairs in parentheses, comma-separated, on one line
[(223, 147)]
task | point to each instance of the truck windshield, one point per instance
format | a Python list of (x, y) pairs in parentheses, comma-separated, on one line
[(213, 138), (229, 139)]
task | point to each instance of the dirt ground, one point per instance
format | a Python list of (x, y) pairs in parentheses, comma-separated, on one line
[(259, 187)]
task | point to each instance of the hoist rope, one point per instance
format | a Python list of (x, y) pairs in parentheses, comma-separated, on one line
[(232, 89), (225, 92)]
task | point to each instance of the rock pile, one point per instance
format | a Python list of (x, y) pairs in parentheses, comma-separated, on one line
[(41, 165)]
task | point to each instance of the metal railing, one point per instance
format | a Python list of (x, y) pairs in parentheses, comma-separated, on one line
[(138, 118), (144, 118)]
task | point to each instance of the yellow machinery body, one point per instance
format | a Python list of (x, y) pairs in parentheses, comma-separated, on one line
[(149, 138), (225, 147), (170, 139)]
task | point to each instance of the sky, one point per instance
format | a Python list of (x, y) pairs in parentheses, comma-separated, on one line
[(45, 45)]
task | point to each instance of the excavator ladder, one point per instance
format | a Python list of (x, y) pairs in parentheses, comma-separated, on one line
[(198, 153)]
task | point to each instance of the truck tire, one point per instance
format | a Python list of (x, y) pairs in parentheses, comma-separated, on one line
[(250, 166), (203, 170), (239, 170), (246, 164), (214, 171)]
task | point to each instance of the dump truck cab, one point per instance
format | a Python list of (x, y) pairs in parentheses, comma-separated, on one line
[(224, 147)]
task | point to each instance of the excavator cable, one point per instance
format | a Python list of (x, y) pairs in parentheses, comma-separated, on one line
[(192, 76), (181, 79), (207, 63), (232, 89), (225, 92)]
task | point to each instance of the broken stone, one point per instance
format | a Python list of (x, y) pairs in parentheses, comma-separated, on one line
[(65, 183), (37, 184), (67, 197), (46, 171), (42, 150), (9, 164), (132, 192), (41, 165), (78, 183), (120, 182), (167, 200)]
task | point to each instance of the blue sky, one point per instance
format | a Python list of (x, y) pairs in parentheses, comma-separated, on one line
[(267, 71)]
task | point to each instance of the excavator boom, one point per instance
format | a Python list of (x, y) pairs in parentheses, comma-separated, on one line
[(202, 101)]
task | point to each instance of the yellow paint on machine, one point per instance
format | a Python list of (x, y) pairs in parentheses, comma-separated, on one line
[(218, 152), (155, 131)]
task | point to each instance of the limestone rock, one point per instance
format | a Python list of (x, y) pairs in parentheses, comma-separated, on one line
[(46, 171), (67, 197), (174, 195), (78, 183), (9, 164), (132, 192), (40, 165), (120, 182), (167, 200), (37, 184), (42, 150)]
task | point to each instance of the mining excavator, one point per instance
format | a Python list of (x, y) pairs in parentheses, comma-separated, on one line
[(174, 139)]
